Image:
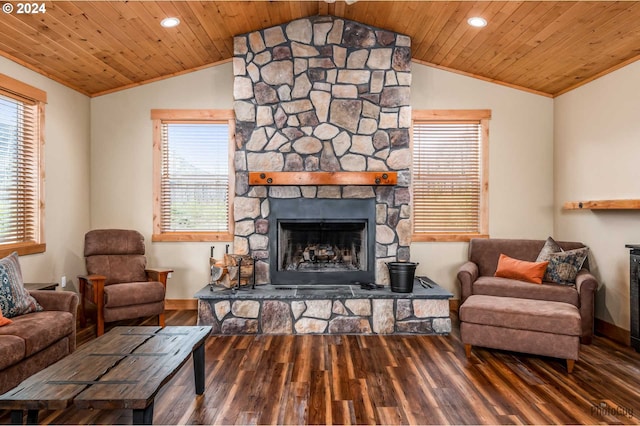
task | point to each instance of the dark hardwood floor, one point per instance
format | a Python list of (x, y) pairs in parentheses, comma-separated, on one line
[(385, 380)]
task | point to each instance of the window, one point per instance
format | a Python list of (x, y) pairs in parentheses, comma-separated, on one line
[(192, 177), (450, 175), (21, 167)]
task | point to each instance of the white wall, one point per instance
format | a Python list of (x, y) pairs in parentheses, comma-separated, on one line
[(121, 166), (520, 162), (66, 179), (597, 149)]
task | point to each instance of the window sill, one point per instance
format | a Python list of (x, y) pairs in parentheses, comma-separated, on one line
[(440, 238), (22, 248), (192, 237)]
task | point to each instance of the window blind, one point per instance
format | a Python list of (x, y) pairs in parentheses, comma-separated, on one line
[(447, 177), (19, 170), (195, 177)]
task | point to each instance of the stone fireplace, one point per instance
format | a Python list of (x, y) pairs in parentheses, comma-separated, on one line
[(322, 241), (322, 94), (324, 101)]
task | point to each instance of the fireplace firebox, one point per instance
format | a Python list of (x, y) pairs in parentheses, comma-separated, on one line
[(322, 241)]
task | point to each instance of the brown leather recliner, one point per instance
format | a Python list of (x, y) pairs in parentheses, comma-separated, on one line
[(118, 282)]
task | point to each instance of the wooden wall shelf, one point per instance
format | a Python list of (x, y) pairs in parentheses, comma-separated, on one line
[(603, 205), (323, 178)]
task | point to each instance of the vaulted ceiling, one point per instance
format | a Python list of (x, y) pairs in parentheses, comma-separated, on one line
[(547, 47)]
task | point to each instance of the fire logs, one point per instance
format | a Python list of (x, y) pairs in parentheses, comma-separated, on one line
[(229, 270)]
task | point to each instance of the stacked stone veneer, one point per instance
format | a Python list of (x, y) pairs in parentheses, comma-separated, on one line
[(322, 94), (336, 316)]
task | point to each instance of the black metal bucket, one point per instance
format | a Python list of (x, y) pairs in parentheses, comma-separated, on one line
[(401, 275)]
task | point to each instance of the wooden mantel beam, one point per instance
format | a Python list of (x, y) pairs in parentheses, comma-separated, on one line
[(323, 178)]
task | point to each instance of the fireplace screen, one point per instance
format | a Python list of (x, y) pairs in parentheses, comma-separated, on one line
[(322, 241)]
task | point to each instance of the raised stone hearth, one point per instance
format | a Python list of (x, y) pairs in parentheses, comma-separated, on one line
[(345, 309)]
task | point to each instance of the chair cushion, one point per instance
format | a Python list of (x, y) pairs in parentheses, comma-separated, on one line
[(113, 241), (134, 311), (136, 293), (14, 298), (11, 351), (485, 252), (522, 314), (506, 287), (40, 329), (118, 268)]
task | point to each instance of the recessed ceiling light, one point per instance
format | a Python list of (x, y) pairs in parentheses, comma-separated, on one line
[(477, 22), (170, 22)]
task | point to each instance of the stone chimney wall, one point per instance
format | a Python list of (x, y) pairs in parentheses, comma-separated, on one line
[(322, 94)]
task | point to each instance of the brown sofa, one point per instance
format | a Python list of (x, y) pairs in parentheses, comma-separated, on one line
[(476, 277), (36, 340)]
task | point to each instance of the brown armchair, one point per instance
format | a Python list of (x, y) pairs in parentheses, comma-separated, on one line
[(118, 282), (477, 277)]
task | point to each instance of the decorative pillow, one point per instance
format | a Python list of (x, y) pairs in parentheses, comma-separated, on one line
[(3, 320), (531, 272), (563, 267), (14, 298), (550, 247)]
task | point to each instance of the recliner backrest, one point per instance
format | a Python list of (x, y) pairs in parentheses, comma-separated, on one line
[(118, 254)]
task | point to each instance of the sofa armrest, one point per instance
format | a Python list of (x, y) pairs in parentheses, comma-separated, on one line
[(66, 301), (586, 282), (586, 285), (467, 274)]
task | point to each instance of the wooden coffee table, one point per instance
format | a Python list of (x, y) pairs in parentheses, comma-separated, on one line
[(124, 368)]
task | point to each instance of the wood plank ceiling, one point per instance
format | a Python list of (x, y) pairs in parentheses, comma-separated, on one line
[(548, 47)]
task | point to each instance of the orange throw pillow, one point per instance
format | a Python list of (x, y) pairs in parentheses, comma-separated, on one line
[(3, 320), (531, 272)]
